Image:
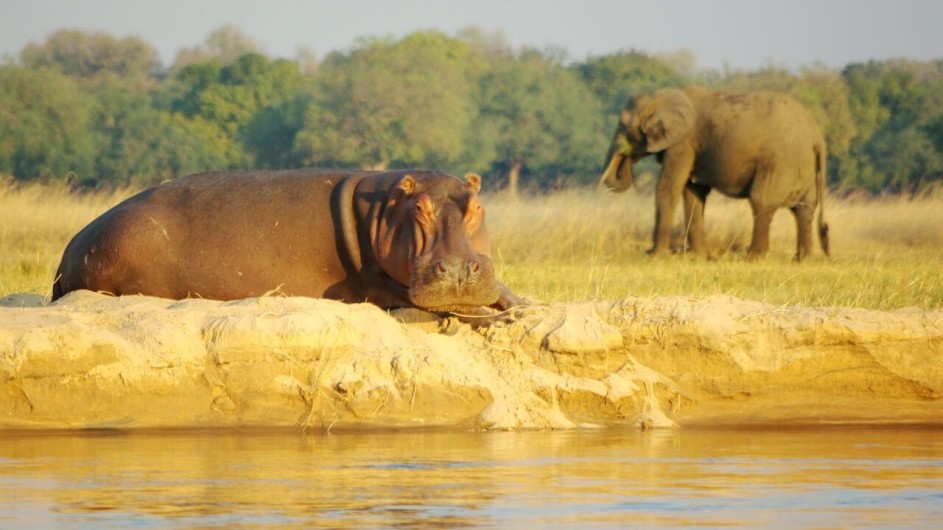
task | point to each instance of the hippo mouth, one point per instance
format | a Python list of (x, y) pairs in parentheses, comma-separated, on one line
[(454, 286)]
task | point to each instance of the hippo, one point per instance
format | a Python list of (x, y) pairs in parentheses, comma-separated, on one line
[(397, 239)]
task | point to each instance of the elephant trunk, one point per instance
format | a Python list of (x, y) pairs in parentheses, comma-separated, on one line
[(618, 174)]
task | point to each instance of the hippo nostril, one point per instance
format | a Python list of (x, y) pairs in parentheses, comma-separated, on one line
[(472, 267)]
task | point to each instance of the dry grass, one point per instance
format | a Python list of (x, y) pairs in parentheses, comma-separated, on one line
[(587, 245), (36, 222)]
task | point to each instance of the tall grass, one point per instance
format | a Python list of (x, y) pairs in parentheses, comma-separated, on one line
[(582, 244), (36, 222)]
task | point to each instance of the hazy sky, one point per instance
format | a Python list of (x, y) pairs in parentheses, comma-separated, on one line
[(737, 33)]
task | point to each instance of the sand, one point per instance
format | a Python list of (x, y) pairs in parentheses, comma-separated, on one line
[(94, 361)]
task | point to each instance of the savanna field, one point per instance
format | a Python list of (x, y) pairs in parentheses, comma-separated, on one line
[(585, 244)]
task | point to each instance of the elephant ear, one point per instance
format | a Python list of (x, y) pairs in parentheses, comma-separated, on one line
[(668, 118)]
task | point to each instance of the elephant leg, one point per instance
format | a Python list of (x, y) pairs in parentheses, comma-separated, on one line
[(762, 218), (675, 173), (695, 197), (804, 216), (665, 204)]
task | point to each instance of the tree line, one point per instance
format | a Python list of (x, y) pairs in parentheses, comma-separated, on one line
[(103, 109)]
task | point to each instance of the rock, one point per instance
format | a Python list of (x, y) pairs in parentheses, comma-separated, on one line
[(93, 361)]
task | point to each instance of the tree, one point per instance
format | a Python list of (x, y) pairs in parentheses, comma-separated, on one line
[(933, 128), (896, 105), (490, 46), (270, 134), (87, 55), (224, 45), (122, 136), (126, 122), (250, 83), (142, 144), (825, 94), (390, 103), (229, 97), (617, 77), (45, 121), (540, 116), (188, 145)]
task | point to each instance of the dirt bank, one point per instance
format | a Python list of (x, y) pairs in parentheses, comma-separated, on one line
[(94, 361)]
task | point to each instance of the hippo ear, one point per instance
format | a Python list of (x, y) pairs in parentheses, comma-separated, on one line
[(473, 181), (408, 185)]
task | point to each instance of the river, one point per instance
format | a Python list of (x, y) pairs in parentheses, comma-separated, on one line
[(834, 477)]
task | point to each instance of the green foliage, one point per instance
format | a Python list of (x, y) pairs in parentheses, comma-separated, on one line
[(385, 102), (223, 45), (223, 101), (270, 135), (899, 108), (142, 144), (615, 78), (540, 116), (104, 108), (88, 55), (933, 129), (45, 121), (130, 132)]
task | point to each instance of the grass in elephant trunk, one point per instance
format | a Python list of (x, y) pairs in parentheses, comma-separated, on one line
[(582, 244)]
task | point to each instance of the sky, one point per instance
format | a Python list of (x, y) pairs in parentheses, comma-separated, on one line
[(736, 34)]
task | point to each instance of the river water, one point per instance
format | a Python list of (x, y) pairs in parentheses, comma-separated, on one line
[(610, 478)]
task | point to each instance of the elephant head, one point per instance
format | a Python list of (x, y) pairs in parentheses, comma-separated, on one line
[(649, 123)]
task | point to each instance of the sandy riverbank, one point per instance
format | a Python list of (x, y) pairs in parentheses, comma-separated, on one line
[(93, 361)]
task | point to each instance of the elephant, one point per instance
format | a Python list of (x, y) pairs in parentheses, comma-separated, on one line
[(763, 146)]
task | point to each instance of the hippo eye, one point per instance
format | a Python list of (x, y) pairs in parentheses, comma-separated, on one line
[(473, 215), (425, 211), (472, 208)]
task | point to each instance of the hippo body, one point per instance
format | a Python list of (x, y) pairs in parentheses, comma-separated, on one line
[(411, 238)]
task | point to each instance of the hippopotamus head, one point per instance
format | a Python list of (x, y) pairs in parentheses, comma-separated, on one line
[(431, 238)]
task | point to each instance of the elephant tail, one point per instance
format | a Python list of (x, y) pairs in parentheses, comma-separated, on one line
[(820, 184)]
